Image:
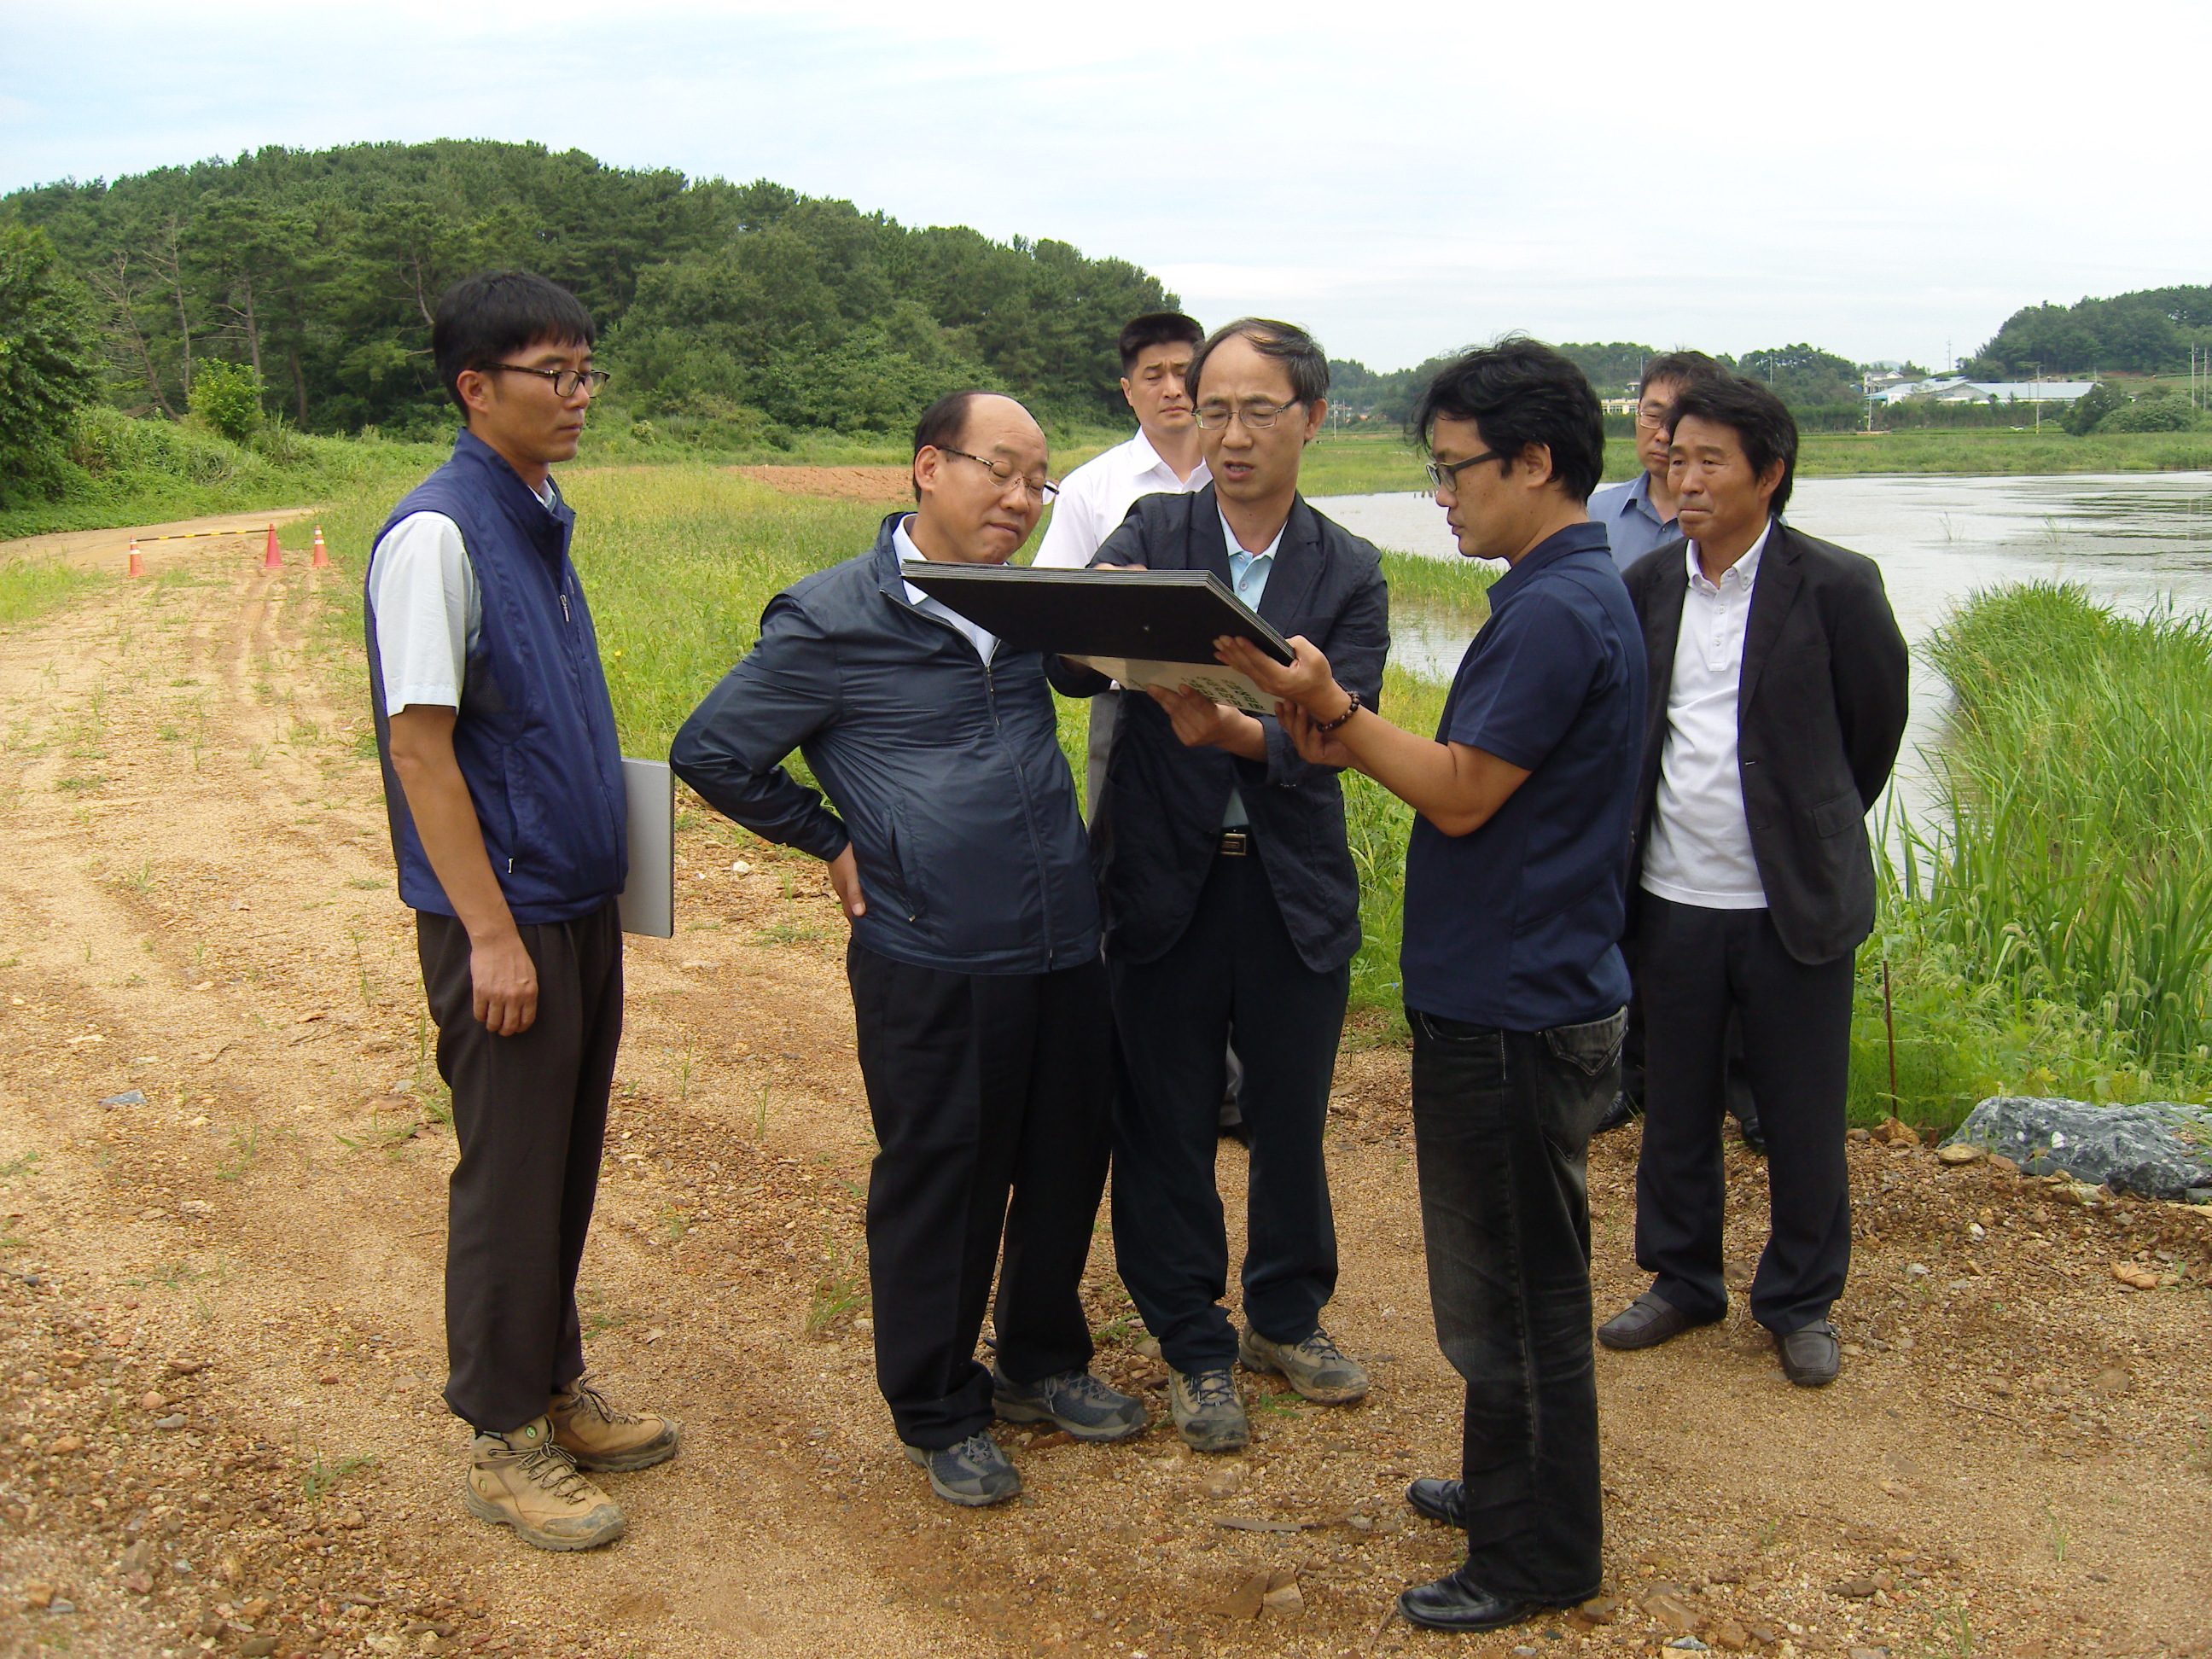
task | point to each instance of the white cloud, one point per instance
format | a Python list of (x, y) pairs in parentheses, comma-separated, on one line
[(1878, 181)]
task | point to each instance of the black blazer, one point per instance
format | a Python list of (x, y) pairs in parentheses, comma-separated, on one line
[(1820, 709), (1158, 822)]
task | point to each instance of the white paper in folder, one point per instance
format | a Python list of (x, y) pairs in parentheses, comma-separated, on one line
[(648, 898)]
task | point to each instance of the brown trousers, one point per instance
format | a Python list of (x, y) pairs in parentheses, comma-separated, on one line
[(531, 1114)]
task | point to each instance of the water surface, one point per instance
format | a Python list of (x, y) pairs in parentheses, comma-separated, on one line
[(2133, 540)]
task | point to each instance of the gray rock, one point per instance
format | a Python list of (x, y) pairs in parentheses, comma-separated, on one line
[(128, 1097), (2158, 1150)]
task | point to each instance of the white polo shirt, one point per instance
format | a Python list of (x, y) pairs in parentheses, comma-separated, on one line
[(1096, 496), (1700, 848)]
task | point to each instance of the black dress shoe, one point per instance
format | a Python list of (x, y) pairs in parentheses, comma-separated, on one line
[(1622, 1112), (1645, 1323), (1440, 1500), (1457, 1602), (1811, 1355), (1754, 1138)]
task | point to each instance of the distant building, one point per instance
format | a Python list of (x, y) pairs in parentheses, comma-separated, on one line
[(1957, 390)]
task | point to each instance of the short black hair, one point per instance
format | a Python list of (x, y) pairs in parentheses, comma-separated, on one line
[(1156, 328), (1679, 365), (1299, 352), (1519, 391), (482, 319), (1762, 424), (944, 424)]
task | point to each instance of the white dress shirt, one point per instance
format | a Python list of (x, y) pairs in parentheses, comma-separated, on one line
[(1700, 849), (1096, 496), (984, 641)]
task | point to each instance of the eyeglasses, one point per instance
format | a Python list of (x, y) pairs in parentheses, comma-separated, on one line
[(564, 380), (1446, 476), (1257, 417), (1039, 489), (1651, 419)]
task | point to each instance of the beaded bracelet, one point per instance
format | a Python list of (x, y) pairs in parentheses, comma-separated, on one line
[(1326, 726)]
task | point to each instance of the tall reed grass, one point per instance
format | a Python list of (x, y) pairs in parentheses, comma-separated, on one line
[(2063, 892)]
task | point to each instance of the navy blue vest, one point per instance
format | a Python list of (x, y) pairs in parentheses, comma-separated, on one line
[(535, 732)]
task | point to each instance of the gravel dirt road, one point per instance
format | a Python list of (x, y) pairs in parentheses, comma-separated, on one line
[(222, 1159)]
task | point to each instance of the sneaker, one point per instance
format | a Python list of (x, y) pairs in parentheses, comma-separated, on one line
[(600, 1437), (1207, 1412), (1075, 1401), (1316, 1367), (523, 1480), (973, 1474)]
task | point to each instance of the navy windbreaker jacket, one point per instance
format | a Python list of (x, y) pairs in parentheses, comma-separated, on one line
[(535, 732), (946, 772)]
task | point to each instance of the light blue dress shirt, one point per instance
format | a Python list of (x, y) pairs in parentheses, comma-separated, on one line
[(1632, 526), (1248, 575)]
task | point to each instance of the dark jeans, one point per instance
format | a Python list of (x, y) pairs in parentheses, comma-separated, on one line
[(1694, 967), (981, 1086), (1502, 1122), (529, 1112), (1235, 965)]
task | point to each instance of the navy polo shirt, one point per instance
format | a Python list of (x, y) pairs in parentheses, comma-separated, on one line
[(1517, 925)]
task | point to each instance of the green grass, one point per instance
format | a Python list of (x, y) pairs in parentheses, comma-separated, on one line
[(30, 587), (2052, 931)]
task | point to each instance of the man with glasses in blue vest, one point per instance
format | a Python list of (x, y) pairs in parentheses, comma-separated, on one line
[(508, 820)]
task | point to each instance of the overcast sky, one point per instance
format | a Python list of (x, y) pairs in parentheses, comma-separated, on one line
[(1887, 178)]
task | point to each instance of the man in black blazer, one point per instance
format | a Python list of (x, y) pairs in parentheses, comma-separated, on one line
[(1232, 901), (1777, 700)]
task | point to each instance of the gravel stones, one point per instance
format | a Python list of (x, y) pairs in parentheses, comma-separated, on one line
[(2158, 1150)]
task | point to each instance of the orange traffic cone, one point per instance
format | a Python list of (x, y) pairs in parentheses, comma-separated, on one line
[(137, 564), (322, 560), (273, 559)]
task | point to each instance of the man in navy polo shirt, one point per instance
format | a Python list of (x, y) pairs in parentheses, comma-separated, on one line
[(1514, 986)]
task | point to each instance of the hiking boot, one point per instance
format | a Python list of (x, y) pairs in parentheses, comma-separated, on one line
[(601, 1438), (522, 1479), (1076, 1401), (972, 1474), (1316, 1367), (1207, 1412)]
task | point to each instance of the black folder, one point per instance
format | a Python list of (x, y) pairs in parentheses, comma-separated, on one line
[(1140, 627)]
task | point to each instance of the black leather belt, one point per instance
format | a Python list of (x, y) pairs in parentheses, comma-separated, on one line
[(1235, 844)]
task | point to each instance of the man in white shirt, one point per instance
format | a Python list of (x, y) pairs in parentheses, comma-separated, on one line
[(1163, 459), (1777, 700)]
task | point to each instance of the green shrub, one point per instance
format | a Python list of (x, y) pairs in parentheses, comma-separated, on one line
[(227, 399), (2151, 415), (2091, 407)]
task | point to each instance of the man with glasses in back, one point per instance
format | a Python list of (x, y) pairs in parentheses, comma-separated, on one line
[(504, 788), (1232, 899), (979, 1001)]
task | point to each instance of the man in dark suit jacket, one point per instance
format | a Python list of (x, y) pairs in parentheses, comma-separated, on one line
[(1777, 700), (1230, 900)]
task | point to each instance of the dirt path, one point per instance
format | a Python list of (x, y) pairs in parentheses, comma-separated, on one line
[(184, 543), (222, 1159)]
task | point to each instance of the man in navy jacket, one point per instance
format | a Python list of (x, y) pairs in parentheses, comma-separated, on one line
[(979, 1002), (1231, 902), (504, 788)]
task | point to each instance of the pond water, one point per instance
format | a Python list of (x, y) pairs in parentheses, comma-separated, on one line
[(2133, 540)]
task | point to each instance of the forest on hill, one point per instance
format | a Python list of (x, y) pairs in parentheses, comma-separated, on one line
[(2149, 331), (746, 308)]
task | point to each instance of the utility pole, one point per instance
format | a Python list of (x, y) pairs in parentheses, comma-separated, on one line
[(2036, 392)]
